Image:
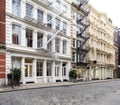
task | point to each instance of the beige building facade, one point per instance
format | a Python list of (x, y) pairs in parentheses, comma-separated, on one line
[(102, 52)]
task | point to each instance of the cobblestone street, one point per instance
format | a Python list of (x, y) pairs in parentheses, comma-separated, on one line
[(106, 93)]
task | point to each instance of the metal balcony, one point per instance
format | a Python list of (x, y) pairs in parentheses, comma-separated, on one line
[(82, 60), (37, 23), (48, 5), (85, 11), (83, 49), (45, 3), (80, 7), (80, 34), (30, 19), (84, 24), (80, 18)]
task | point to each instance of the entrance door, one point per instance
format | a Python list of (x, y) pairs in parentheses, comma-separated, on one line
[(28, 70)]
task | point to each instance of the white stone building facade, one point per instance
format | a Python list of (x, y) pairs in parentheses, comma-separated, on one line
[(29, 26)]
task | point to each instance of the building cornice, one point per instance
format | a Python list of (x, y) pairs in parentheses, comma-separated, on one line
[(35, 53)]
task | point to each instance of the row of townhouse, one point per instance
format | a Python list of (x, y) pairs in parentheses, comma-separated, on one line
[(102, 49), (46, 39)]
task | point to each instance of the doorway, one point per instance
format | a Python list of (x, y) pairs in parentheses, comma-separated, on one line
[(28, 70)]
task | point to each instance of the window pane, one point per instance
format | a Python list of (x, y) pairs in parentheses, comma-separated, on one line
[(39, 40), (64, 69), (64, 46), (49, 68), (29, 39), (39, 15), (57, 68), (29, 9), (65, 8), (73, 57), (49, 45), (57, 24), (74, 41), (64, 27), (49, 17), (57, 45), (39, 68), (16, 34), (16, 7)]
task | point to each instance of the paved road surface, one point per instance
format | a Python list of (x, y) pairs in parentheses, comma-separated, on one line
[(107, 93)]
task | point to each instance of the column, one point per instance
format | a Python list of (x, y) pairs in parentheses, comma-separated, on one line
[(23, 9), (53, 71), (103, 73), (35, 39), (68, 68), (61, 71), (100, 73), (35, 12), (68, 47), (9, 8), (45, 41), (34, 71), (23, 69), (111, 72), (23, 36), (53, 22), (61, 45), (90, 76), (53, 45), (44, 71)]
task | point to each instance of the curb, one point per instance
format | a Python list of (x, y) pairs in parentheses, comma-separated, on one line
[(59, 85)]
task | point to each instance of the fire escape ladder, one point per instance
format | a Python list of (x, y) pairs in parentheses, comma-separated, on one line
[(82, 44), (84, 29), (82, 3), (81, 18)]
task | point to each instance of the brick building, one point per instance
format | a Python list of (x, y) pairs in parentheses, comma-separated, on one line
[(2, 42)]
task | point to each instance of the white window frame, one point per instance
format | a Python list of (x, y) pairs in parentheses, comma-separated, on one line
[(49, 68), (39, 71), (16, 34), (57, 45), (57, 24), (49, 45), (64, 46), (39, 40), (57, 69), (29, 10), (65, 27), (16, 7), (50, 24), (40, 15), (64, 69), (29, 38)]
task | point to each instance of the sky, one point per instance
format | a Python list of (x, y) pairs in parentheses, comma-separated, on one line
[(110, 7)]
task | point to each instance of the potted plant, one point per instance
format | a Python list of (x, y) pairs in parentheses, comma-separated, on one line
[(14, 77), (73, 75)]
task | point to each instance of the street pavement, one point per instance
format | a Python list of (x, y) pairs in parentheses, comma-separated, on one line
[(97, 93)]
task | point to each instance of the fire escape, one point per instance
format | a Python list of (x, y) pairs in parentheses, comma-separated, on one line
[(82, 48)]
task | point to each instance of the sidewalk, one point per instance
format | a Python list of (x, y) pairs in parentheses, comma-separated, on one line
[(50, 85)]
